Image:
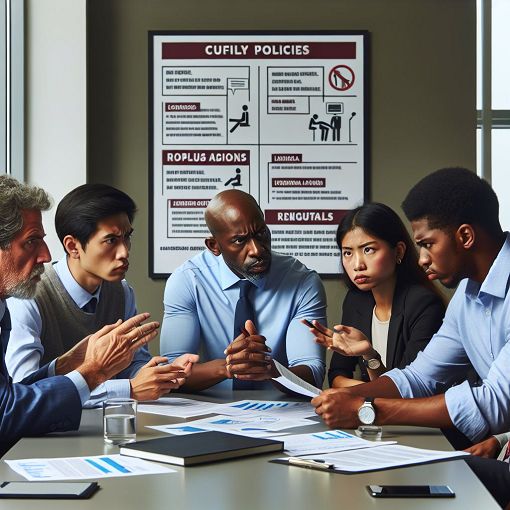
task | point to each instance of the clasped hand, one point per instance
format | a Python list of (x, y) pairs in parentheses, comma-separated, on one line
[(248, 357), (342, 339)]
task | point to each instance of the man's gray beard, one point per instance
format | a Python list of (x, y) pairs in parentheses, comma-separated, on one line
[(26, 289), (253, 277)]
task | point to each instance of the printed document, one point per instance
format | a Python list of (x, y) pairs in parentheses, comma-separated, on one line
[(178, 407), (391, 456), (83, 468), (294, 383), (324, 442), (257, 425), (288, 410)]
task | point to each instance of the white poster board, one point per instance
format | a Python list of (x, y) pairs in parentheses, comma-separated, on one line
[(282, 116)]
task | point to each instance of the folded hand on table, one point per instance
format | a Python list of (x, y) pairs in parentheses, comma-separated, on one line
[(248, 357)]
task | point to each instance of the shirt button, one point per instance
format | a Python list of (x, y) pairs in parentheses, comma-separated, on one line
[(487, 312)]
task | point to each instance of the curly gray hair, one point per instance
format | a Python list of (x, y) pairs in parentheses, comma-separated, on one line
[(14, 198)]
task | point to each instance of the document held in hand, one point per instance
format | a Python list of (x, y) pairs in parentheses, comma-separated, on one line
[(294, 383), (199, 448)]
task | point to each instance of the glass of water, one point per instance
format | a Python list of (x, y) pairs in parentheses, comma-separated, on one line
[(119, 420), (373, 432)]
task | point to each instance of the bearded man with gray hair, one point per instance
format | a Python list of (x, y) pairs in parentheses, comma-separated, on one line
[(41, 404)]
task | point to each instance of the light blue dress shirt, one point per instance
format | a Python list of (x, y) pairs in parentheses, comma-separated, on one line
[(25, 349), (200, 300), (75, 376), (476, 329)]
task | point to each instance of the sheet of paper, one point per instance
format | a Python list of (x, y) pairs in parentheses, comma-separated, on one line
[(288, 410), (248, 424), (84, 468), (294, 383), (184, 430), (178, 407), (384, 457), (329, 441)]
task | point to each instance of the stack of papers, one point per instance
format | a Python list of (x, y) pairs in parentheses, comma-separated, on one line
[(253, 425), (385, 457)]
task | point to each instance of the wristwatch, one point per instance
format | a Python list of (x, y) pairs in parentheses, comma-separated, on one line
[(366, 413), (372, 363)]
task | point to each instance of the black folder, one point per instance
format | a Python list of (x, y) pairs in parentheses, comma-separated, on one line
[(200, 448)]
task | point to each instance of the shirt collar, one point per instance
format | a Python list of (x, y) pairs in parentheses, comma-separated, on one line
[(496, 281), (78, 294), (228, 278)]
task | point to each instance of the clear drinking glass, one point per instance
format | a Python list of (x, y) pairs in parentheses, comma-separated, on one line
[(373, 432), (119, 420)]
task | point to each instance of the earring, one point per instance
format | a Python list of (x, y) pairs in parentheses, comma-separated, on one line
[(399, 261)]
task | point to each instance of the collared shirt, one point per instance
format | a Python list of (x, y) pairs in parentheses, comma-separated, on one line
[(75, 376), (25, 349), (476, 329), (200, 300)]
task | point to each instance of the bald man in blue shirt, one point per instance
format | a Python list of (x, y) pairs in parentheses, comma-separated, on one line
[(201, 297)]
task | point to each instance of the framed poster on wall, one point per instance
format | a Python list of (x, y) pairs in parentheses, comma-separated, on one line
[(281, 115)]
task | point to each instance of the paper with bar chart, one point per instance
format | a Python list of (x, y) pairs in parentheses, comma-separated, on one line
[(329, 441), (259, 425), (84, 468), (288, 409)]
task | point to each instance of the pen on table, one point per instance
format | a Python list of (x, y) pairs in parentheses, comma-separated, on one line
[(310, 463)]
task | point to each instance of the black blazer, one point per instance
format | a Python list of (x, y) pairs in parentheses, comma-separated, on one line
[(416, 314)]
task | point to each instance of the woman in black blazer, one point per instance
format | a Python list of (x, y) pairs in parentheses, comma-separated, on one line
[(391, 305)]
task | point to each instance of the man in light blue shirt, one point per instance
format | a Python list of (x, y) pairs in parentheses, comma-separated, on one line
[(454, 216), (84, 291), (201, 296)]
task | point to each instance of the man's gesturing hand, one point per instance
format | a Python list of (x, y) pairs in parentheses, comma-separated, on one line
[(248, 357), (111, 349), (154, 380)]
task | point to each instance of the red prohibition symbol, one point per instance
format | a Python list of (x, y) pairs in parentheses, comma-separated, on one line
[(341, 77)]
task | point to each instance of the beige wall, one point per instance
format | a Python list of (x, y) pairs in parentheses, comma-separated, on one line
[(56, 101), (422, 91)]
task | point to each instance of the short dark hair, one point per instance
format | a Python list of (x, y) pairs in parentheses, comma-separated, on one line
[(79, 212), (382, 222), (449, 197)]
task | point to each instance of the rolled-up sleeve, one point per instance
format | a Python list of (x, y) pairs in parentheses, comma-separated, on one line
[(482, 410), (180, 332), (442, 363)]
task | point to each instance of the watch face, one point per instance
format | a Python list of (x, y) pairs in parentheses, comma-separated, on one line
[(373, 364), (366, 414)]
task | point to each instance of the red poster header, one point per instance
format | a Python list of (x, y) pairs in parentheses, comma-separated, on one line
[(303, 217), (282, 50), (206, 157)]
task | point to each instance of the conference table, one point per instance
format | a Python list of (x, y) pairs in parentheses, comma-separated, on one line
[(250, 483)]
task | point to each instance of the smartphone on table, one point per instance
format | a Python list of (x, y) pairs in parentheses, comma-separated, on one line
[(48, 490), (410, 491)]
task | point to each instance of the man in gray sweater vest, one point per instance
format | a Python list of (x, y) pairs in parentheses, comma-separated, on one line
[(84, 291)]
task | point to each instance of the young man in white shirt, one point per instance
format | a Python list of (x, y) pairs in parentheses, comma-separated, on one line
[(85, 290)]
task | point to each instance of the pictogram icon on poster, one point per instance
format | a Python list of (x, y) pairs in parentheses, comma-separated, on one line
[(341, 77)]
